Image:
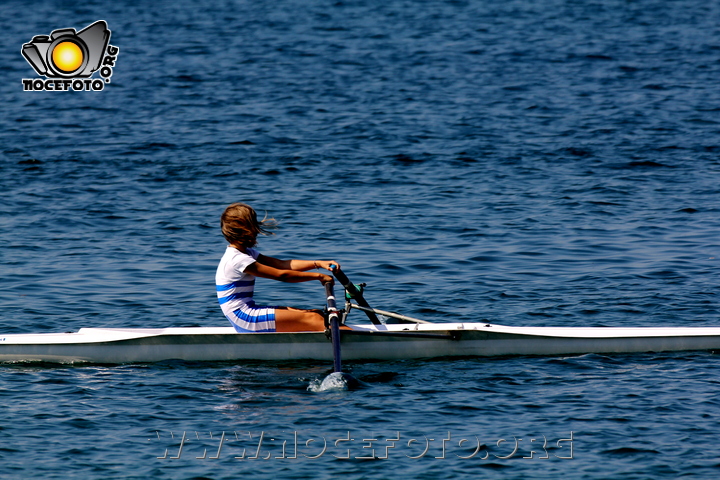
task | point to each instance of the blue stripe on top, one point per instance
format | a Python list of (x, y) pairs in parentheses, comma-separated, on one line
[(238, 284), (236, 296)]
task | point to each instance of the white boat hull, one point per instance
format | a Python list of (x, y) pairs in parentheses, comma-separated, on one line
[(383, 342)]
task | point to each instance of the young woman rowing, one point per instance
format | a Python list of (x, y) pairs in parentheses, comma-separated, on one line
[(235, 278)]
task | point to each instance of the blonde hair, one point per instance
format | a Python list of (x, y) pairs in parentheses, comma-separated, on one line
[(241, 227)]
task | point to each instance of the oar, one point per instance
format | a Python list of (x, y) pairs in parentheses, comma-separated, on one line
[(337, 379), (334, 322), (355, 294)]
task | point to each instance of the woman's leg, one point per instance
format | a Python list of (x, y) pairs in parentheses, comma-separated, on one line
[(289, 319)]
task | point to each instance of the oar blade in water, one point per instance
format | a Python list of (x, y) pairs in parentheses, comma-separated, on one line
[(334, 382)]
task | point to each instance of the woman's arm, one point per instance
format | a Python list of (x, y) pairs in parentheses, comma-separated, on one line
[(259, 269), (296, 265)]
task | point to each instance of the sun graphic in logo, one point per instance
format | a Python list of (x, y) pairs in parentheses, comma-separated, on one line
[(67, 56)]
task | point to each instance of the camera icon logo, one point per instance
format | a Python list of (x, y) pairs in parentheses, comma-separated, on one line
[(66, 53)]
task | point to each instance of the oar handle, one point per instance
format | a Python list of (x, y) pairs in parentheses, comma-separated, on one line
[(334, 322), (354, 293), (340, 275)]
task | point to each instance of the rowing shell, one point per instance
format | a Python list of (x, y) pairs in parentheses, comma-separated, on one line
[(378, 342)]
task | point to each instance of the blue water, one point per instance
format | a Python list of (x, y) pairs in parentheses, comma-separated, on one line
[(533, 163)]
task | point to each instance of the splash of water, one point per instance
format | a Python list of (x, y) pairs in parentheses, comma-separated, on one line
[(336, 381)]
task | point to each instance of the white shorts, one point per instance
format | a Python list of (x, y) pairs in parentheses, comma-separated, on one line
[(253, 318)]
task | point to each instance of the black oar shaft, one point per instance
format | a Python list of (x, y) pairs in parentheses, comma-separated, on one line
[(355, 294), (334, 322)]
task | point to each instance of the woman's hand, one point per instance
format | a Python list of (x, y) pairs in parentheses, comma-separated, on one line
[(326, 279), (326, 264)]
